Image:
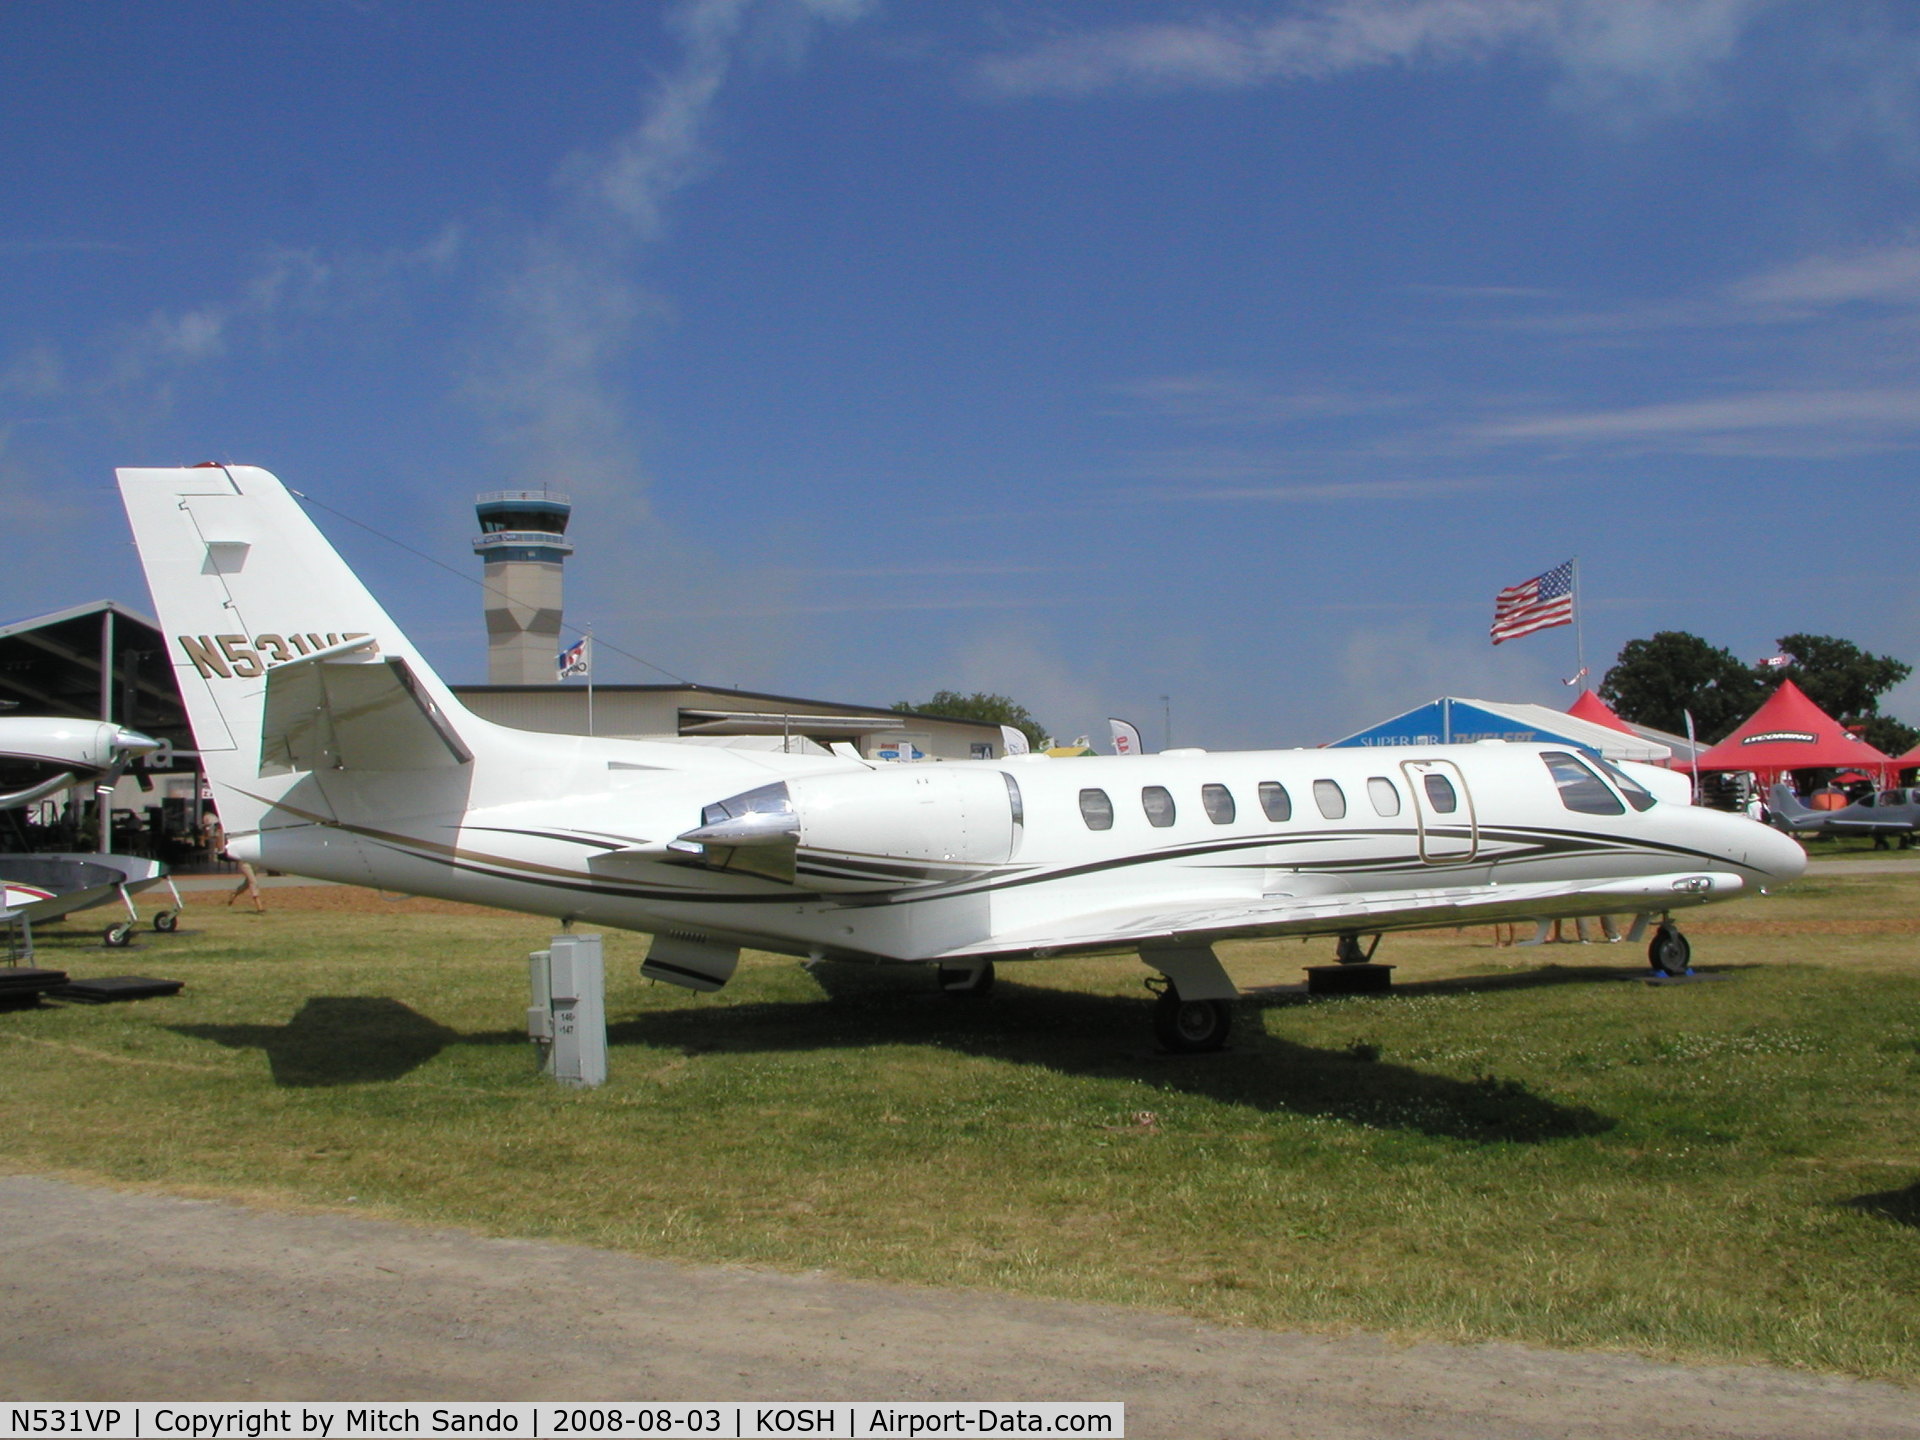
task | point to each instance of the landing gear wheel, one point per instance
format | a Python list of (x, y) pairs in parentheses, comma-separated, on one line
[(1669, 952), (1191, 1027), (118, 937), (966, 980), (166, 922)]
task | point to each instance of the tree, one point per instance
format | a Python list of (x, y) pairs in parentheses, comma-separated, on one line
[(1659, 680), (1847, 682), (979, 706)]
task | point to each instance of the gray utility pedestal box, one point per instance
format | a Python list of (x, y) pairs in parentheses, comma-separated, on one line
[(568, 1017)]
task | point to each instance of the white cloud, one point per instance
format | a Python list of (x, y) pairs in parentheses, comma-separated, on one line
[(1032, 670), (572, 308), (1887, 275), (1223, 399), (1883, 410), (36, 373), (1321, 492), (1620, 54), (1382, 671)]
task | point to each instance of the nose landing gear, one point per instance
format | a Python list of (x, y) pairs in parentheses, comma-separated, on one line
[(1668, 951)]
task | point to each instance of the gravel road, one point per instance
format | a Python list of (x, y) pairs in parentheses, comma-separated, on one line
[(112, 1295)]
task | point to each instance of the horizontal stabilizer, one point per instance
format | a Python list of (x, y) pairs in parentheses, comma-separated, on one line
[(353, 714)]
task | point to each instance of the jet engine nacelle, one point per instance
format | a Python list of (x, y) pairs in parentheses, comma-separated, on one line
[(934, 819), (78, 744), (865, 829)]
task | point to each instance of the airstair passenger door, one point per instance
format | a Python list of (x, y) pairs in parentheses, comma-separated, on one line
[(1443, 808)]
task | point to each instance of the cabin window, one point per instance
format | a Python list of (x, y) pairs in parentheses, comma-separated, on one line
[(1891, 797), (1275, 800), (1013, 799), (1157, 801), (1386, 799), (1581, 790), (1637, 794), (1440, 794), (1096, 809), (1331, 799), (1219, 802)]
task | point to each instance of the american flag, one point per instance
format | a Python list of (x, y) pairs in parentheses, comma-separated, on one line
[(574, 660), (1536, 604)]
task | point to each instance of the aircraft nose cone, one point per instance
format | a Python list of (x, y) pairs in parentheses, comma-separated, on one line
[(132, 742), (1777, 856)]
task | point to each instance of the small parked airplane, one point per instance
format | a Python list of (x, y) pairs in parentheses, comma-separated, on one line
[(1886, 815), (334, 751), (80, 750), (51, 885)]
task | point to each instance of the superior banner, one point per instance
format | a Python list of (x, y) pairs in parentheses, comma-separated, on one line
[(561, 1420)]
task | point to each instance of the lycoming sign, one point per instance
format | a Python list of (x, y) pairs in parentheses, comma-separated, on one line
[(1806, 736)]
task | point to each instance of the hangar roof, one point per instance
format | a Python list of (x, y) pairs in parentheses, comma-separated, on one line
[(1449, 720), (51, 665)]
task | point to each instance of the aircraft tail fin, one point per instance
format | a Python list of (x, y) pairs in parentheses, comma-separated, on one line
[(285, 660), (1787, 807)]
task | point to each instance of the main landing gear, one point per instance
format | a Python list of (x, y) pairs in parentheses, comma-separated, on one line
[(965, 980), (1191, 1027), (1668, 951), (1194, 1009), (1349, 950)]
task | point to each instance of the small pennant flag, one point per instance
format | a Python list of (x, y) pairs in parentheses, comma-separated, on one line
[(1775, 662), (576, 660), (1126, 739)]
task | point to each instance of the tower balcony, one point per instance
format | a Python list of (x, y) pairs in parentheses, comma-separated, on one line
[(497, 546)]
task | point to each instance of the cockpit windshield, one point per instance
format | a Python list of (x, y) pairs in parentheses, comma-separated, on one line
[(1580, 789), (1638, 796)]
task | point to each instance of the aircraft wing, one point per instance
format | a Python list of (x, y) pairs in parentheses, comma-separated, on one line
[(1867, 825), (1360, 912)]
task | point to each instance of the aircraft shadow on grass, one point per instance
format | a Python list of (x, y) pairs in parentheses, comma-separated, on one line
[(1078, 1034), (340, 1040), (359, 1039), (1900, 1206)]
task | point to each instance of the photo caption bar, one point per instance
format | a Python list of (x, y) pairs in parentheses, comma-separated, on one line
[(562, 1420)]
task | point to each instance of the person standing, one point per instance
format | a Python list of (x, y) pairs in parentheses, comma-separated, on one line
[(217, 846)]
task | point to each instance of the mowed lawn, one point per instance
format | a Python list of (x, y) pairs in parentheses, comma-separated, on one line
[(1525, 1144)]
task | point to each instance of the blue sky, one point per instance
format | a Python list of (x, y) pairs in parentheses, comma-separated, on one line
[(1086, 353)]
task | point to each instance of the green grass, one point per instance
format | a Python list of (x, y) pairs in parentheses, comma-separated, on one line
[(1517, 1144)]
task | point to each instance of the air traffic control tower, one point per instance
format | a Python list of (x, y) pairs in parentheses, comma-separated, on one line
[(524, 542)]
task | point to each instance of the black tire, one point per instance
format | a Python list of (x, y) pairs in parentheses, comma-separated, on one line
[(118, 937), (1669, 953), (964, 980), (166, 922), (1191, 1027)]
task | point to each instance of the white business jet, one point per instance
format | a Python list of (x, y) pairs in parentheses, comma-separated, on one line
[(335, 752)]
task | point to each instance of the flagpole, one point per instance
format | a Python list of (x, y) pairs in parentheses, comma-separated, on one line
[(589, 655), (1579, 630)]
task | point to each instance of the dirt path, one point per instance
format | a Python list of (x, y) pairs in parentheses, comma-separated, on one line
[(124, 1296)]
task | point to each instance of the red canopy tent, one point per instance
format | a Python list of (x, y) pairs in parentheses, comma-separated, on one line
[(1790, 732), (1908, 760), (1590, 707)]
